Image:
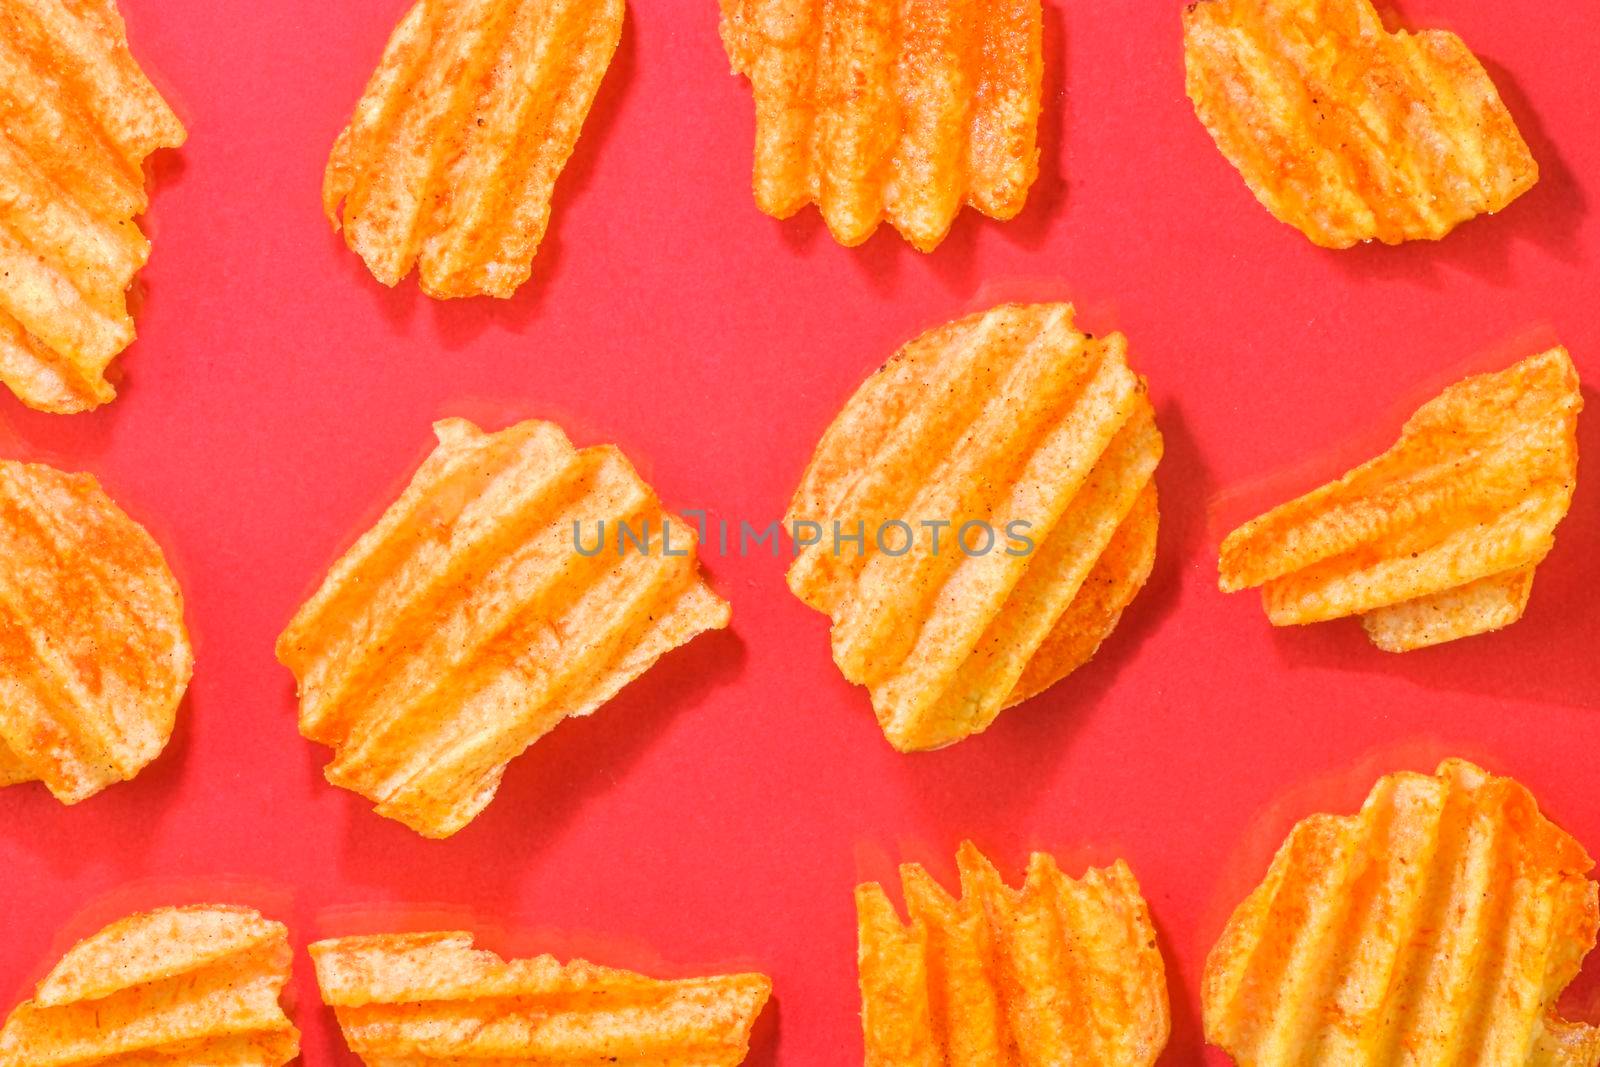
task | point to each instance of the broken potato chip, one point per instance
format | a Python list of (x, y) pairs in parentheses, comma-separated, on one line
[(1061, 971), (197, 985), (978, 516), (77, 119), (94, 656), (516, 581), (881, 110), (1348, 132), (1437, 926), (421, 999), (1437, 538), (452, 156)]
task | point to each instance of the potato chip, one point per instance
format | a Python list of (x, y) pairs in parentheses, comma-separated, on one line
[(883, 110), (419, 999), (196, 986), (1058, 972), (453, 153), (1437, 538), (94, 657), (983, 510), (1348, 132), (77, 119), (1437, 926), (516, 581)]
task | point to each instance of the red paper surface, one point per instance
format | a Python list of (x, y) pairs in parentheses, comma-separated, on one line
[(717, 814)]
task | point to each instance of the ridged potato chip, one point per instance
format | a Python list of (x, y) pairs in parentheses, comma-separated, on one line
[(1348, 132), (1437, 538), (77, 119), (195, 986), (1058, 972), (452, 156), (94, 656), (883, 110), (516, 581), (419, 999), (1437, 926), (1039, 442)]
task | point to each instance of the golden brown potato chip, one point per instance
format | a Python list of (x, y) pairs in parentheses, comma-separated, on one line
[(196, 986), (1348, 132), (1057, 972), (882, 110), (77, 119), (1437, 538), (94, 657), (977, 517), (419, 999), (1437, 926), (453, 153), (516, 581)]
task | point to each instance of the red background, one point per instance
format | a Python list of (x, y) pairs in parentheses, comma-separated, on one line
[(717, 814)]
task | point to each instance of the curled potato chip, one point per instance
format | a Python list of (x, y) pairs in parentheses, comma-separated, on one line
[(1061, 971), (197, 985), (94, 657), (1346, 131), (77, 119), (421, 999), (1437, 538), (516, 581), (1008, 432), (452, 156), (1437, 926), (883, 110)]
